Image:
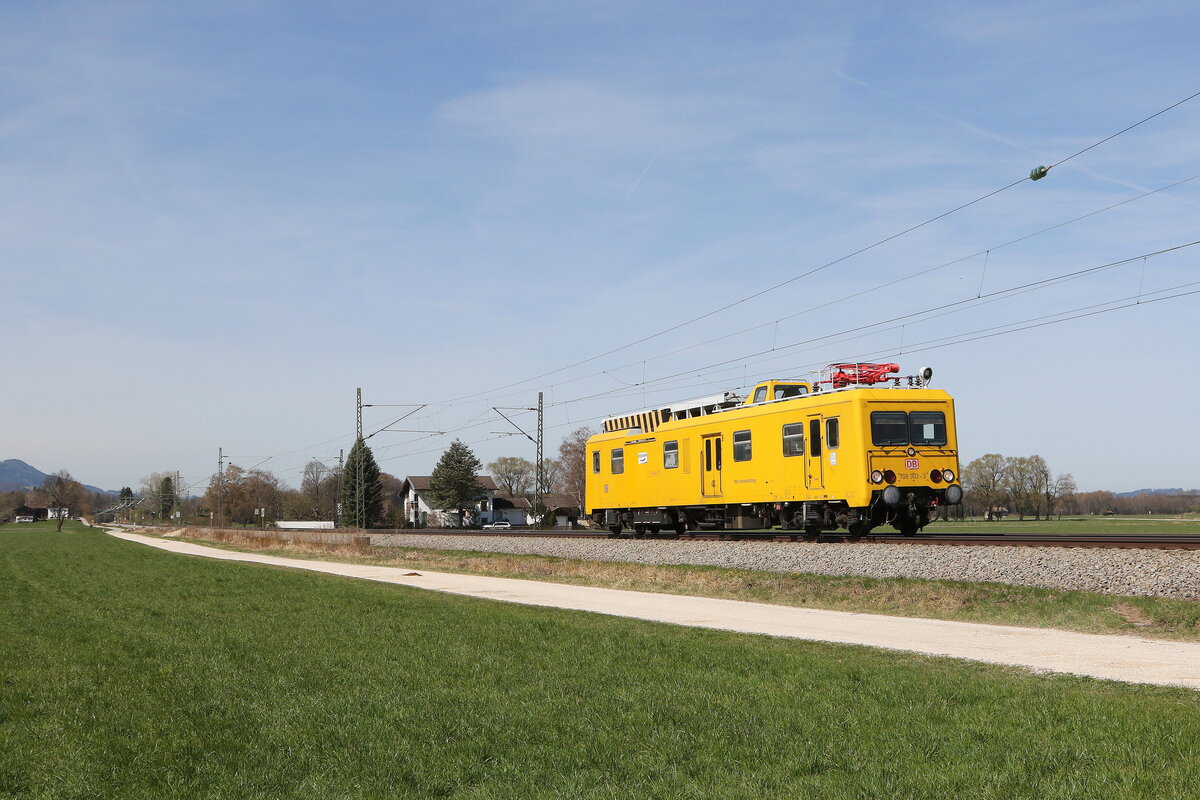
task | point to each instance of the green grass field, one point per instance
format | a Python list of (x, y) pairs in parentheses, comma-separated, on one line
[(1087, 525), (126, 672)]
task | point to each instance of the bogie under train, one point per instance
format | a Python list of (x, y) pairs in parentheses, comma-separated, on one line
[(789, 455)]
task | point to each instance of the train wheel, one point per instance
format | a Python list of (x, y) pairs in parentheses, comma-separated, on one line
[(811, 533), (856, 530), (615, 530), (639, 531), (655, 529), (908, 528)]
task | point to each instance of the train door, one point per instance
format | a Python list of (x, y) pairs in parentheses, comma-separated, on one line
[(814, 475), (710, 466)]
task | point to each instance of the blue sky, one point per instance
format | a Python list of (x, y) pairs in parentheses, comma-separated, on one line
[(218, 220)]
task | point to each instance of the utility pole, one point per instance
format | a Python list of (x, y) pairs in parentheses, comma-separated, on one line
[(220, 482), (360, 493), (540, 488), (361, 496), (337, 497)]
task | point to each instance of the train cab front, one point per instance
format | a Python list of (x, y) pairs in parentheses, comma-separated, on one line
[(912, 463)]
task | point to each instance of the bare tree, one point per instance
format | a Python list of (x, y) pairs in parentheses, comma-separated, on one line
[(1019, 484), (552, 475), (1062, 489), (1041, 486), (515, 475), (319, 487), (62, 492), (572, 459), (983, 479)]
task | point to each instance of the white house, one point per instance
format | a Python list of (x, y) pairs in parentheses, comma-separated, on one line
[(420, 512)]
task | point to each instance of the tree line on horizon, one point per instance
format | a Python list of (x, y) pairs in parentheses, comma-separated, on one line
[(994, 485), (257, 497)]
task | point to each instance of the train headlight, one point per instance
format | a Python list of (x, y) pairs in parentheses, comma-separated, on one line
[(948, 474), (936, 476), (889, 476), (876, 476), (954, 495), (891, 496)]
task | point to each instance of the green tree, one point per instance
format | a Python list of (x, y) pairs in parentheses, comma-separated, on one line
[(455, 480), (167, 499), (360, 509)]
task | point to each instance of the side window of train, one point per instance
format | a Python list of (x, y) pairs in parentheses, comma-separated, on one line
[(670, 455), (596, 462), (793, 439), (760, 394), (741, 445), (814, 437), (831, 433), (618, 460)]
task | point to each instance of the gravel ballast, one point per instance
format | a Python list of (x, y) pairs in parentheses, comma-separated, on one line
[(1147, 573)]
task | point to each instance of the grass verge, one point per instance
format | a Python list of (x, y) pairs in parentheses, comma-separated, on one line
[(1084, 526), (996, 603), (128, 673)]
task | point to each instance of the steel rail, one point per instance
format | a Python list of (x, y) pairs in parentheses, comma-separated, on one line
[(1146, 541)]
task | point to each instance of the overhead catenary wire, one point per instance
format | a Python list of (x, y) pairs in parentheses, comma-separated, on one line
[(800, 276), (840, 259), (964, 338), (741, 361), (741, 358)]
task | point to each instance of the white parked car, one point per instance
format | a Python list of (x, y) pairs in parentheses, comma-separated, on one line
[(498, 526)]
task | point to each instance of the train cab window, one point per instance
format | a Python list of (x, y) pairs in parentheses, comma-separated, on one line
[(760, 394), (596, 462), (618, 460), (889, 428), (831, 433), (789, 390), (814, 437), (670, 455), (927, 427), (741, 445), (708, 455), (793, 439)]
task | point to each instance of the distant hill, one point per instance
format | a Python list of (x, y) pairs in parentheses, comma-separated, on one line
[(1137, 492), (16, 476)]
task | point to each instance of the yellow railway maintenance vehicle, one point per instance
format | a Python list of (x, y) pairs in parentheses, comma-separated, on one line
[(870, 449)]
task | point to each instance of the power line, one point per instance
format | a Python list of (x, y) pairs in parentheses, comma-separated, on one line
[(877, 287), (826, 265)]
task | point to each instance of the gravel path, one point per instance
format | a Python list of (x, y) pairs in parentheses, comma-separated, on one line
[(1122, 658), (1149, 573)]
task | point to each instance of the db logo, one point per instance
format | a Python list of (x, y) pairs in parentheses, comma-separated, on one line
[(912, 463)]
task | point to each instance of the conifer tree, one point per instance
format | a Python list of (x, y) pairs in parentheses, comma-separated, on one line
[(455, 480), (166, 497), (371, 510)]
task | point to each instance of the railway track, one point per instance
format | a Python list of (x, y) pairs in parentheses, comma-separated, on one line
[(1146, 541)]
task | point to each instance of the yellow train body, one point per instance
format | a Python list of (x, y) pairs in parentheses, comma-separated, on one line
[(811, 461)]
